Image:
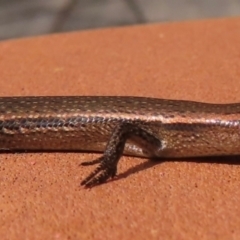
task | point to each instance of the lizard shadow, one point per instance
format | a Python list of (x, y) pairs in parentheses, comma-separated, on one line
[(151, 162), (228, 160)]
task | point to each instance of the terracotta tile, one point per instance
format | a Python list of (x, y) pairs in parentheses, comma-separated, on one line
[(40, 197)]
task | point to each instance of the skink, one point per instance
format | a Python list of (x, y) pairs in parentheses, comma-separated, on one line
[(136, 126)]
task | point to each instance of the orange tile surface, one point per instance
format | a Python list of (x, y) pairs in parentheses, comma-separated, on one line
[(40, 197)]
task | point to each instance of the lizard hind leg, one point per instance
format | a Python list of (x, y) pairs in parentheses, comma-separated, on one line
[(107, 167)]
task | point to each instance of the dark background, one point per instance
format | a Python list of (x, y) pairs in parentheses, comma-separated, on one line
[(19, 18)]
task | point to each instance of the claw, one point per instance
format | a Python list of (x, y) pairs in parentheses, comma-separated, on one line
[(91, 176), (90, 181), (88, 163)]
